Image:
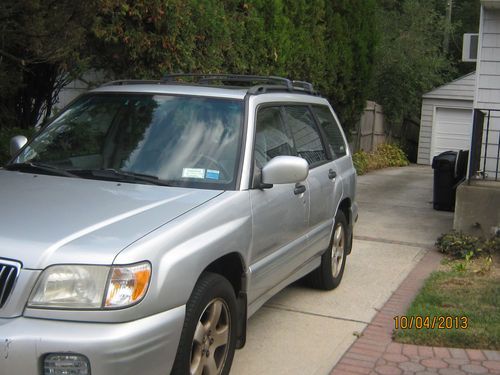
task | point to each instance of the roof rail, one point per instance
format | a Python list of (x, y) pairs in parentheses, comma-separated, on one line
[(307, 86), (242, 78), (257, 84), (132, 82)]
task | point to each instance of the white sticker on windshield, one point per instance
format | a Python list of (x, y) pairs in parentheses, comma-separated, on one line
[(212, 174), (193, 172)]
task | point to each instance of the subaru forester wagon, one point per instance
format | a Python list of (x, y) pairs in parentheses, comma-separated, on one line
[(146, 223)]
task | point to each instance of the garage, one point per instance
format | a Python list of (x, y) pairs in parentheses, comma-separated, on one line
[(452, 130), (446, 119)]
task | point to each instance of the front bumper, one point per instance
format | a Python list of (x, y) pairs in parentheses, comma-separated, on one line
[(146, 346)]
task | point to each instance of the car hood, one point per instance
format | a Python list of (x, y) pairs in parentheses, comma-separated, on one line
[(48, 220)]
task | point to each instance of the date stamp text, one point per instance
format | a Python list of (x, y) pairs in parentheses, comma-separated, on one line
[(431, 322)]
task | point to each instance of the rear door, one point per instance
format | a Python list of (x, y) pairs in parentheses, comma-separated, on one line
[(345, 181)]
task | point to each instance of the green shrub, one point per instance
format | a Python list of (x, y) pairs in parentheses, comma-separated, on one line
[(460, 245), (385, 155), (391, 155), (492, 245), (360, 160)]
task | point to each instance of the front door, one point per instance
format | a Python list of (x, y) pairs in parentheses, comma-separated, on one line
[(280, 215)]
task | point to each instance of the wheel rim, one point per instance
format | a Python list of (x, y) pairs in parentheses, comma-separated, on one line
[(338, 249), (211, 339)]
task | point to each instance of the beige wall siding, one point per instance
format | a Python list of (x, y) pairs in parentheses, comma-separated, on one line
[(456, 94), (462, 89), (488, 87), (488, 64)]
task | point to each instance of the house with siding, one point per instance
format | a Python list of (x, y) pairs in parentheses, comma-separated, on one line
[(477, 209), (487, 94)]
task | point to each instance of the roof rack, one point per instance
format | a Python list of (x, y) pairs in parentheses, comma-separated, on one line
[(122, 82), (265, 83), (257, 84), (241, 78), (307, 86)]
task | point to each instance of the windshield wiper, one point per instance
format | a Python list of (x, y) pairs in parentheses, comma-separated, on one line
[(39, 167), (119, 175)]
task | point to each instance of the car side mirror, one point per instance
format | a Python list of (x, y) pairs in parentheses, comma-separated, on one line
[(284, 170), (17, 143)]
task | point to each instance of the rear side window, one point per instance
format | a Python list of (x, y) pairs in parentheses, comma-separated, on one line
[(331, 128), (305, 134), (271, 138)]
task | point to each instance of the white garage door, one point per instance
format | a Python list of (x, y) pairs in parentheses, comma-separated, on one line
[(452, 130)]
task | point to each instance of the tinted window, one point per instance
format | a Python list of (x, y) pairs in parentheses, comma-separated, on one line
[(332, 131), (271, 138), (305, 134)]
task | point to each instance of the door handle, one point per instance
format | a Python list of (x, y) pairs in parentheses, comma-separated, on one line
[(332, 174), (299, 189)]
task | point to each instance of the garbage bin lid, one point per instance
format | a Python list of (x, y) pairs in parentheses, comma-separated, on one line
[(445, 159)]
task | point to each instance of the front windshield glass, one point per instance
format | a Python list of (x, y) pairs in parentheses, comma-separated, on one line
[(183, 140)]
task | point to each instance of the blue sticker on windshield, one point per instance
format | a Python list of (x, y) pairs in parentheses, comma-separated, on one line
[(212, 174)]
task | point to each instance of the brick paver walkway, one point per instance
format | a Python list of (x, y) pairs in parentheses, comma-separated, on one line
[(375, 353)]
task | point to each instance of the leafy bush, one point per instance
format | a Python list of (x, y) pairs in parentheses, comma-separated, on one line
[(331, 44), (389, 155), (385, 155), (360, 160), (460, 245), (492, 245)]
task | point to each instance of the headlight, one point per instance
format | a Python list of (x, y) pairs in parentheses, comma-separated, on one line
[(85, 287), (70, 286)]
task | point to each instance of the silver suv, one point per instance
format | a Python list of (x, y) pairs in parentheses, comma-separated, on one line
[(147, 222)]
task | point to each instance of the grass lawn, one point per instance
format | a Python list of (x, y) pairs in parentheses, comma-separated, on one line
[(455, 292)]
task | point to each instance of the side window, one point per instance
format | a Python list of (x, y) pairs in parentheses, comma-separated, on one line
[(332, 131), (305, 134), (271, 138)]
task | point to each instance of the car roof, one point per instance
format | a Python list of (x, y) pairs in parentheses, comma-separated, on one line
[(156, 88), (229, 86)]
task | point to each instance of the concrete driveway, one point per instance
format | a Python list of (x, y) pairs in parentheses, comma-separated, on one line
[(303, 331)]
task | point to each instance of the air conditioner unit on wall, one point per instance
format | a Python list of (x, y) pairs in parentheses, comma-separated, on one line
[(470, 46)]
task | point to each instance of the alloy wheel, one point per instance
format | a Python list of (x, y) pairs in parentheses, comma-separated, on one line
[(338, 249), (211, 339)]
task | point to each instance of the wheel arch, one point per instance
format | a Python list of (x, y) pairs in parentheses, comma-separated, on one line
[(345, 206), (232, 267)]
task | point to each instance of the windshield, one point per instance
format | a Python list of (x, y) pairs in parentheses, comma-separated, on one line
[(183, 140)]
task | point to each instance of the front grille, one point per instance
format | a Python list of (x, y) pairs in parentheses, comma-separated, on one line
[(8, 275)]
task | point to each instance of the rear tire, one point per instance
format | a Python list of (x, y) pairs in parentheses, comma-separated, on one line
[(208, 338), (329, 274)]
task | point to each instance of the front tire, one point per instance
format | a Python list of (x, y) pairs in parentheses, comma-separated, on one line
[(329, 274), (208, 338)]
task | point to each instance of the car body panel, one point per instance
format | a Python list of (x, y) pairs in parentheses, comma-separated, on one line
[(326, 194), (178, 252), (279, 221), (55, 220)]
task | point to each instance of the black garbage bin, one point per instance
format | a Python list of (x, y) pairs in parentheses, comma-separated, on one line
[(450, 168)]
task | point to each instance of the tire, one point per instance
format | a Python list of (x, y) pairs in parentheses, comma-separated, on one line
[(329, 273), (208, 338)]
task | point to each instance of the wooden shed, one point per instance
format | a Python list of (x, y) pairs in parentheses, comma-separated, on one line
[(446, 119)]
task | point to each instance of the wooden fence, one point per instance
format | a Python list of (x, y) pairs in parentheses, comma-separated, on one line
[(369, 131)]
